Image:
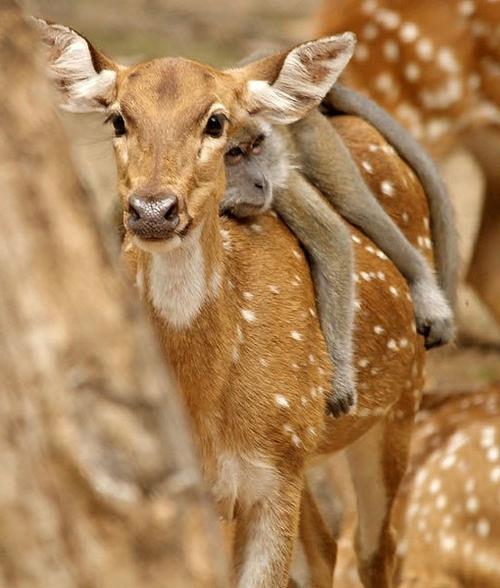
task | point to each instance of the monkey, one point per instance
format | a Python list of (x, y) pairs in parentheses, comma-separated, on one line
[(259, 175), (259, 165)]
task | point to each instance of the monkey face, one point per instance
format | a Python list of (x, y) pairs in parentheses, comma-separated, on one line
[(256, 164)]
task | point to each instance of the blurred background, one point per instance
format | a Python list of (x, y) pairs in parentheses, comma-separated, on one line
[(435, 65)]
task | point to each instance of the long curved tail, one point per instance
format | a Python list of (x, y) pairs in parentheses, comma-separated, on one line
[(444, 235)]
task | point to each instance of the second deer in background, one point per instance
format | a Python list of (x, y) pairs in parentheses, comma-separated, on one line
[(434, 66)]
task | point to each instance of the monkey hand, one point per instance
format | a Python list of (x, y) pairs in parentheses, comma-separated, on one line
[(343, 393), (433, 315)]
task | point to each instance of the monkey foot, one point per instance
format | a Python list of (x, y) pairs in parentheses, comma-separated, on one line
[(342, 397)]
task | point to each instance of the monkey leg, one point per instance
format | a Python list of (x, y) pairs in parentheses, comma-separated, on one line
[(328, 243), (443, 228), (328, 164)]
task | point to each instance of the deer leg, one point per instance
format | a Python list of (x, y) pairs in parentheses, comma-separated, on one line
[(315, 552), (378, 462), (265, 535)]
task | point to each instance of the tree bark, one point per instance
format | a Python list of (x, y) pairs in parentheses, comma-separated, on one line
[(99, 484)]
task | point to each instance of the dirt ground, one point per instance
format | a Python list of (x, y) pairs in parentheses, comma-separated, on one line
[(219, 32)]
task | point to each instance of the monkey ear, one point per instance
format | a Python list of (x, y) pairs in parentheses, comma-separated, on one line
[(85, 77), (283, 88)]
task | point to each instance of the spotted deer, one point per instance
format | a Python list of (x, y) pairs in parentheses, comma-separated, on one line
[(232, 301), (449, 509), (447, 513), (435, 66)]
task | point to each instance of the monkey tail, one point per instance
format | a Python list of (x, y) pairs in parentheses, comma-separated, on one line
[(442, 221)]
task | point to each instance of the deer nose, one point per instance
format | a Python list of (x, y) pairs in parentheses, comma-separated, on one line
[(153, 216)]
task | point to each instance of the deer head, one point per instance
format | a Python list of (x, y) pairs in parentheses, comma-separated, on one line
[(172, 118)]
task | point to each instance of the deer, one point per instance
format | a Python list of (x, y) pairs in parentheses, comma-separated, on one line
[(232, 300), (447, 513), (442, 83), (450, 497)]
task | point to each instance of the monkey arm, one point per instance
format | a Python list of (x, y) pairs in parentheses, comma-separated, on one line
[(328, 244), (443, 229)]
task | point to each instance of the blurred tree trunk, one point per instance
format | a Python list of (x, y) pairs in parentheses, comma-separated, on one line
[(99, 486)]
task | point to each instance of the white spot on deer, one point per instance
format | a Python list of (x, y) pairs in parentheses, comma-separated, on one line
[(385, 83), (312, 359), (470, 485), (356, 239), (248, 315), (296, 440), (495, 474), (367, 166), (412, 71), (448, 543), (392, 345), (424, 49), (441, 502), (394, 291), (363, 363), (368, 6), (281, 401), (312, 312), (378, 330), (248, 296), (403, 343), (447, 60), (466, 7), (493, 454), (381, 276), (387, 188), (391, 50), (435, 486), (312, 431), (256, 228), (274, 289), (297, 336), (483, 528), (369, 32), (296, 280), (361, 53), (388, 18), (365, 276), (263, 362), (304, 400), (472, 505), (408, 32)]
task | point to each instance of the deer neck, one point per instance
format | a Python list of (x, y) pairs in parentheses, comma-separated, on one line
[(188, 297), (182, 281)]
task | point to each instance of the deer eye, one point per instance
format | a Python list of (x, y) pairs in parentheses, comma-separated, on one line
[(215, 126), (118, 124)]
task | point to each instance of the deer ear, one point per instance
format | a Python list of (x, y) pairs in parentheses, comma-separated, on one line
[(284, 88), (85, 77)]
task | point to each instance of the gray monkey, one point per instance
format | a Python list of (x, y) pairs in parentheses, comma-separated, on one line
[(260, 165)]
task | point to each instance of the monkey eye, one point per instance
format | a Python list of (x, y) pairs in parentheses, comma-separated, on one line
[(257, 144), (234, 155), (215, 125)]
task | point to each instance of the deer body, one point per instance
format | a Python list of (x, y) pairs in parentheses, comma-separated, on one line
[(233, 302)]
